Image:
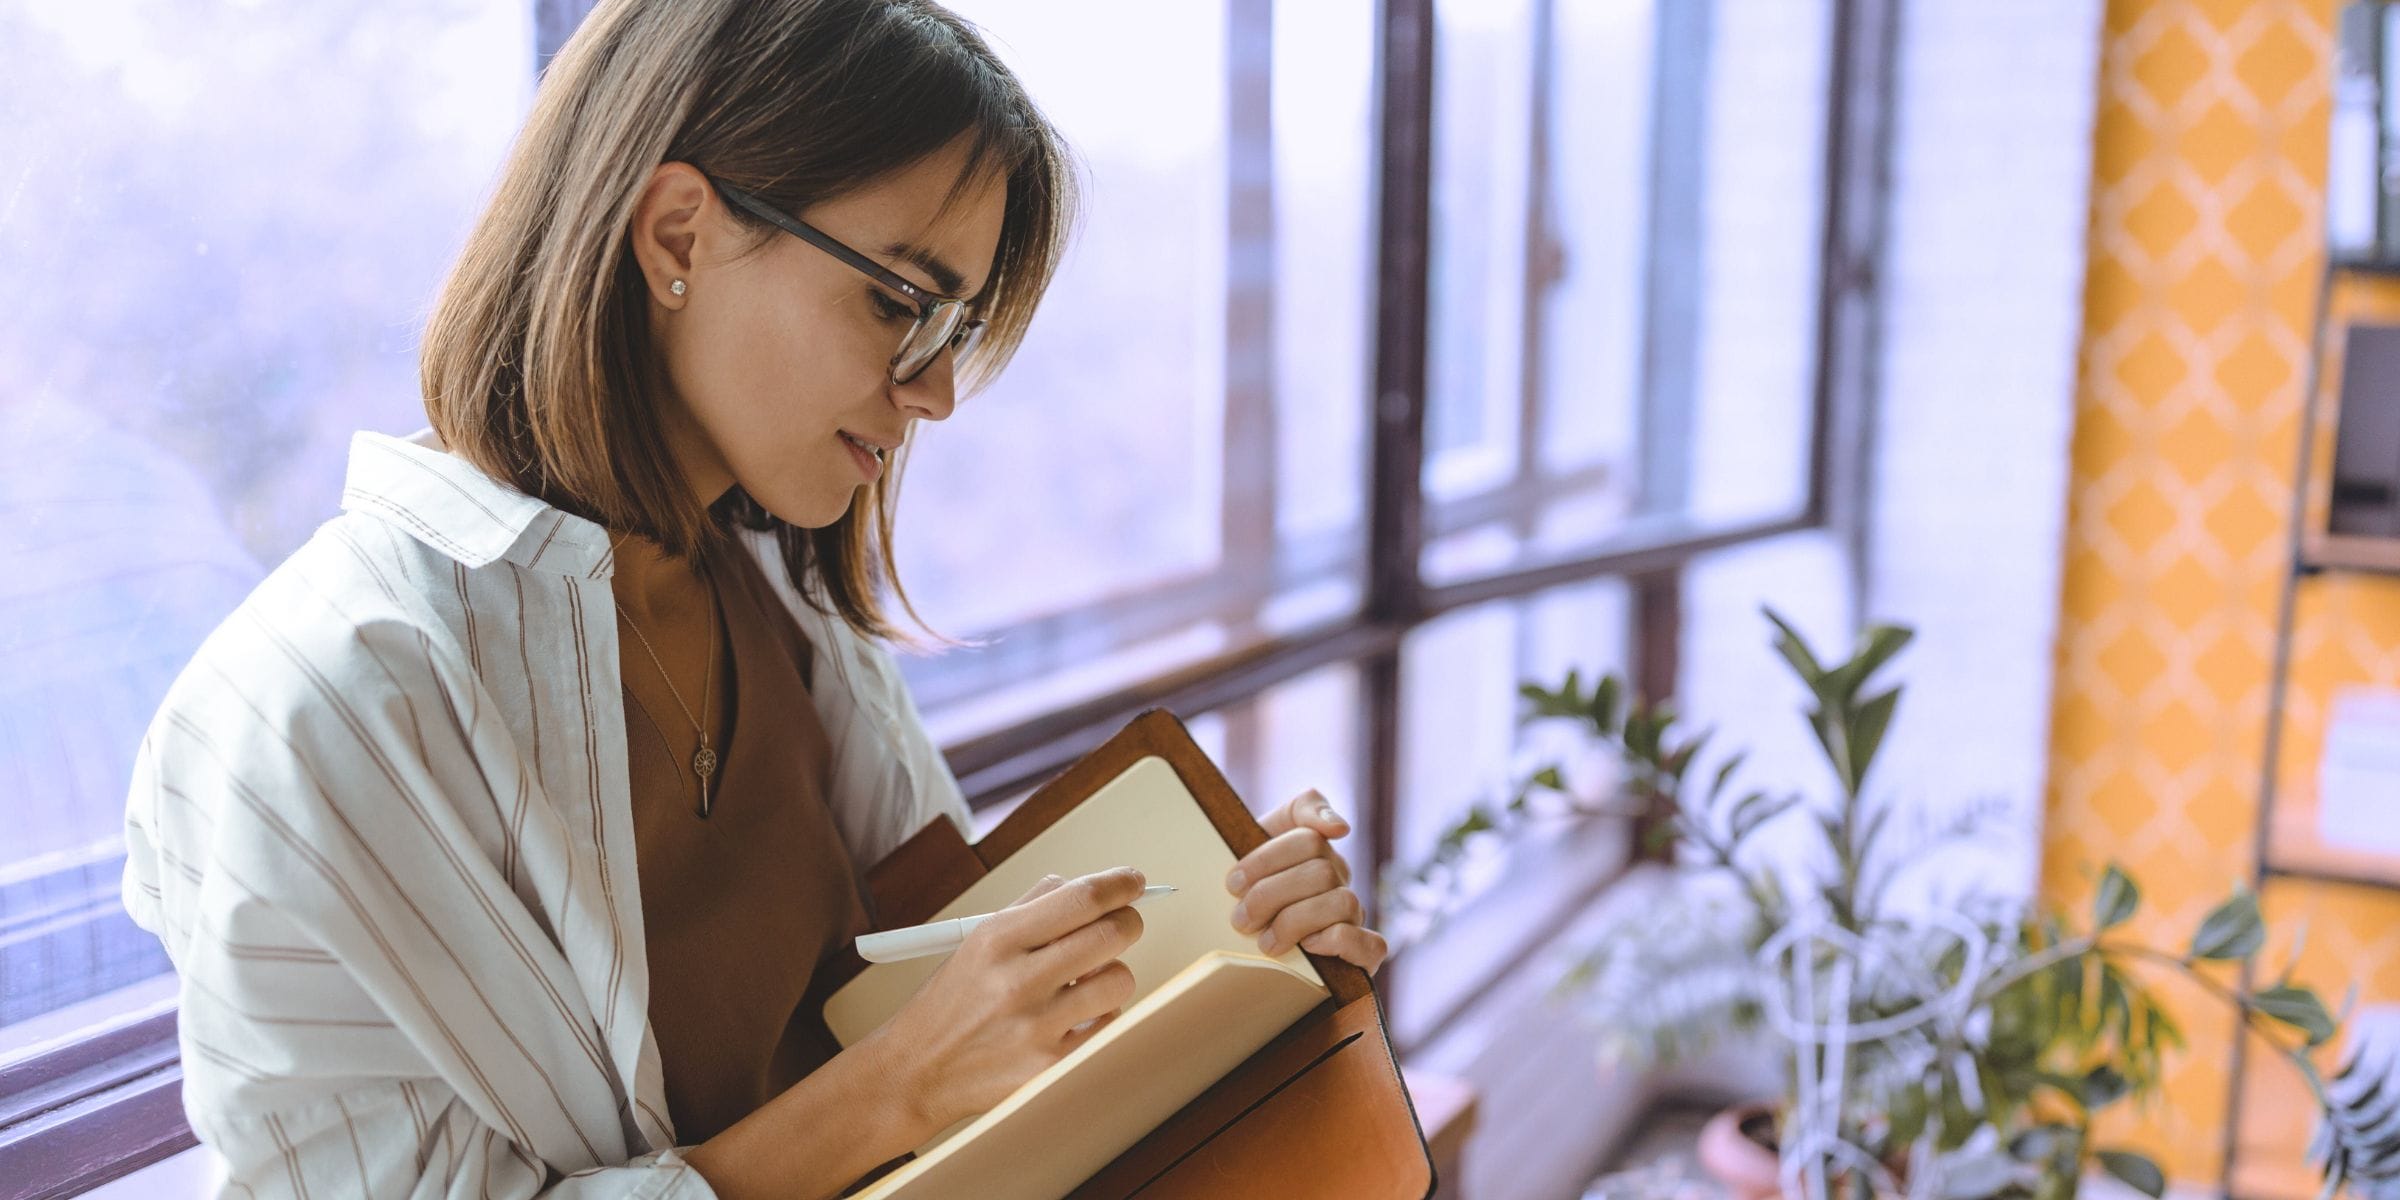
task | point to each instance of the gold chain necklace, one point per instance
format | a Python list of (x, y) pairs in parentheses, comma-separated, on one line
[(704, 760)]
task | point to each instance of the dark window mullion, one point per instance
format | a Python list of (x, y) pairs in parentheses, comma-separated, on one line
[(1249, 453), (988, 763), (1033, 647), (1396, 454), (1861, 86), (1655, 638), (1520, 500), (993, 768), (1542, 268), (1248, 457)]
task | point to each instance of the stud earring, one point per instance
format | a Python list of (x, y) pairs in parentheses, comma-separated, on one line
[(676, 287)]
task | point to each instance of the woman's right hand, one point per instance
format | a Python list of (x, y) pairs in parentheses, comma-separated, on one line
[(1026, 987)]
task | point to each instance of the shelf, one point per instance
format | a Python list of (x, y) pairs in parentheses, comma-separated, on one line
[(2294, 851), (2363, 264), (2366, 875), (2339, 552)]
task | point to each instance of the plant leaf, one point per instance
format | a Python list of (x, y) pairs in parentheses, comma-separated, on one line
[(1866, 733), (2232, 930), (1545, 703), (1873, 831), (2101, 1087), (1679, 760), (2119, 896), (1641, 736), (1959, 1119), (2299, 1008), (2116, 1007), (1755, 810), (1906, 1110), (1795, 650), (2138, 1172), (1823, 726), (1724, 775), (1604, 704), (1879, 644)]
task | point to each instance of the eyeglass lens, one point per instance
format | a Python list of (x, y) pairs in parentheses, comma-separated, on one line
[(930, 336)]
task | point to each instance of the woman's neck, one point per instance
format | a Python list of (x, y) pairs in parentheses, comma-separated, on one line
[(654, 588)]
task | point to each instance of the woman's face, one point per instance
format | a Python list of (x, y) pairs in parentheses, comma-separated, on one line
[(772, 357)]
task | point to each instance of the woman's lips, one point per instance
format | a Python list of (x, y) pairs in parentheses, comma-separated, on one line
[(867, 463)]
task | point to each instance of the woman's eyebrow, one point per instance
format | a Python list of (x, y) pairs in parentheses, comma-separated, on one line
[(946, 278)]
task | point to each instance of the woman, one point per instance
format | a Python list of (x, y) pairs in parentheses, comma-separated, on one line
[(497, 836)]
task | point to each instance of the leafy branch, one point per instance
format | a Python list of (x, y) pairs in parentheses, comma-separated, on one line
[(2056, 1025)]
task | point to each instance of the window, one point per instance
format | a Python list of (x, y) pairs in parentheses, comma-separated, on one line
[(215, 286), (1625, 368), (1179, 439), (1409, 349), (1460, 743), (1627, 210)]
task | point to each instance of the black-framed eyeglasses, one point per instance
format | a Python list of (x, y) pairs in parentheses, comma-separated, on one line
[(942, 321)]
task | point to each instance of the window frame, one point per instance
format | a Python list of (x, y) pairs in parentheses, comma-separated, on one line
[(106, 1105)]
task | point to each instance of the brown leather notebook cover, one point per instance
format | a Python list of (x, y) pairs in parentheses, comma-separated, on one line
[(1319, 1113)]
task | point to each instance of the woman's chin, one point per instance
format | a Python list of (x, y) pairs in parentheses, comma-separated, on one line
[(806, 511)]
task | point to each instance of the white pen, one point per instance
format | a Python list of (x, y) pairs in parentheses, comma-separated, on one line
[(942, 937)]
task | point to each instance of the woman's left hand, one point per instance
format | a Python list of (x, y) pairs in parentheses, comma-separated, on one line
[(1295, 889)]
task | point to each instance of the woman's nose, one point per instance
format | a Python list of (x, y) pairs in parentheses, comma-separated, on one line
[(932, 394)]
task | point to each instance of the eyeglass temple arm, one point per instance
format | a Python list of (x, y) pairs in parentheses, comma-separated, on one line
[(826, 242)]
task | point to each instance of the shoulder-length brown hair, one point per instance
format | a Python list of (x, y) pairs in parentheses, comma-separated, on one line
[(538, 365)]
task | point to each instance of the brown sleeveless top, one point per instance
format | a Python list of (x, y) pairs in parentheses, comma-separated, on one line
[(740, 908)]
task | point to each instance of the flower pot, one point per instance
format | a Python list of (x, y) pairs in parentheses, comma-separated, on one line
[(1736, 1150)]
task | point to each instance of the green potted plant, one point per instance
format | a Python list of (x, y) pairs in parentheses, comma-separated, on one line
[(1950, 1054)]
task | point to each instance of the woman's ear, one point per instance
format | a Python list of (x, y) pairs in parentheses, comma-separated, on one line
[(667, 231)]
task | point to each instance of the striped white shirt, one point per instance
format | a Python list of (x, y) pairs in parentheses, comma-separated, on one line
[(381, 823)]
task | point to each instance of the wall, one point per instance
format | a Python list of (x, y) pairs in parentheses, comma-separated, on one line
[(1983, 271), (2204, 254)]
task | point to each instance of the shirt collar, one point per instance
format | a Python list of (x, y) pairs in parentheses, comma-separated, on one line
[(445, 502)]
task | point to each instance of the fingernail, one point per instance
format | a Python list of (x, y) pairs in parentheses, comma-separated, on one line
[(1241, 918), (1266, 941), (1325, 808), (1234, 882)]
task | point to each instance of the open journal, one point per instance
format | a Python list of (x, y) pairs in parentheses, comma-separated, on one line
[(1204, 1001)]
